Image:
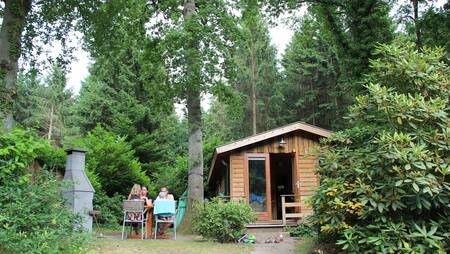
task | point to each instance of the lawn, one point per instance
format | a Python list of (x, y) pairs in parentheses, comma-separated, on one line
[(306, 245), (167, 247)]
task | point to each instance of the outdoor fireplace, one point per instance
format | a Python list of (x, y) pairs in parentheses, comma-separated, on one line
[(79, 193)]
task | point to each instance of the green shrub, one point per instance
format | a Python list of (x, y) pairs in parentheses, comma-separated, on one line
[(52, 158), (301, 229), (385, 182), (222, 221), (112, 160), (110, 207), (18, 149), (34, 218)]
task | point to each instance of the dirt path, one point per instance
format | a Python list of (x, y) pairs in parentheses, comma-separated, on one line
[(287, 246)]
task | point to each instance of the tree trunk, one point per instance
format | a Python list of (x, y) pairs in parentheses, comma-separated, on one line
[(313, 104), (15, 12), (417, 24), (253, 80), (193, 97), (50, 127)]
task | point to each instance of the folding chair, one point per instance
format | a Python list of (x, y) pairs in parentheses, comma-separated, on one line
[(165, 212), (137, 207)]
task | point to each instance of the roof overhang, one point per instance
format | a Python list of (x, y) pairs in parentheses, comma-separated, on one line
[(267, 135)]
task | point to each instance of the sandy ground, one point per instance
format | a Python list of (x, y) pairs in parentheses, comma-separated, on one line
[(261, 247)]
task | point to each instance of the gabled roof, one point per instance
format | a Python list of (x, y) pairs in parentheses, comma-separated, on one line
[(267, 135), (273, 133)]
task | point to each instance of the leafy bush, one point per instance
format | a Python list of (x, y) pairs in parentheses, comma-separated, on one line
[(112, 160), (19, 148), (222, 221), (110, 208), (385, 182), (301, 229), (34, 219), (52, 158)]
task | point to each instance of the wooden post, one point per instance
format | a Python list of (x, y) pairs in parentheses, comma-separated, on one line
[(283, 209), (149, 222)]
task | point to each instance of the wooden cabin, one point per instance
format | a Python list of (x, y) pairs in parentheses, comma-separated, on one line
[(272, 171)]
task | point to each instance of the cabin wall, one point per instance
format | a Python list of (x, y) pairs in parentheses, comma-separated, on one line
[(305, 181), (237, 176)]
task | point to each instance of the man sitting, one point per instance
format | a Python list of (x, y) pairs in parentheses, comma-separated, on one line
[(164, 194)]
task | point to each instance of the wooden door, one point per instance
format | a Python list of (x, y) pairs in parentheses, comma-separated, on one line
[(257, 169)]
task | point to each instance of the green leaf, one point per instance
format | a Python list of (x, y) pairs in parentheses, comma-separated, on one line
[(416, 187), (419, 164), (380, 207), (432, 230)]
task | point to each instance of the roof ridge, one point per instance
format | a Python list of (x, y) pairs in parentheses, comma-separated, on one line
[(326, 133)]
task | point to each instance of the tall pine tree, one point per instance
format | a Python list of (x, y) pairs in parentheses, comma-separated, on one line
[(257, 74), (312, 92)]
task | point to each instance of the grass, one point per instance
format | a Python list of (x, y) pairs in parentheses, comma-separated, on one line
[(306, 245), (166, 247)]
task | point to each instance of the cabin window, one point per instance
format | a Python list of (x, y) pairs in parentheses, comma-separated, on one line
[(257, 184)]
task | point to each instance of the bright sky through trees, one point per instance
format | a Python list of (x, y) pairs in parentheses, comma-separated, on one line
[(280, 35)]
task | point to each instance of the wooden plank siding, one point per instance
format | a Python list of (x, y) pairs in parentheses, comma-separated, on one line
[(307, 180), (237, 176)]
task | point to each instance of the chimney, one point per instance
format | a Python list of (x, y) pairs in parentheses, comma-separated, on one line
[(79, 193)]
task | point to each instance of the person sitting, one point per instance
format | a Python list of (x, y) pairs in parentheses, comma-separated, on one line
[(144, 196), (135, 194), (164, 194)]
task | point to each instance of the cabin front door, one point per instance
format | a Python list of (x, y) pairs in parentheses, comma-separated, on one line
[(258, 184)]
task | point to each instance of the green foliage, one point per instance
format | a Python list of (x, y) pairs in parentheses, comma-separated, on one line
[(44, 105), (313, 92), (174, 177), (301, 230), (51, 158), (355, 27), (113, 161), (110, 208), (19, 148), (34, 218), (434, 32), (222, 221), (256, 72), (385, 182)]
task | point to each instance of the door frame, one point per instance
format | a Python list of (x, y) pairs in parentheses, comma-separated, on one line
[(261, 216)]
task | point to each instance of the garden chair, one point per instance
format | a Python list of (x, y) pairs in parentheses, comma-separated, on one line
[(165, 212), (134, 206)]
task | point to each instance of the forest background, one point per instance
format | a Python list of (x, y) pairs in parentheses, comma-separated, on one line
[(125, 113)]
